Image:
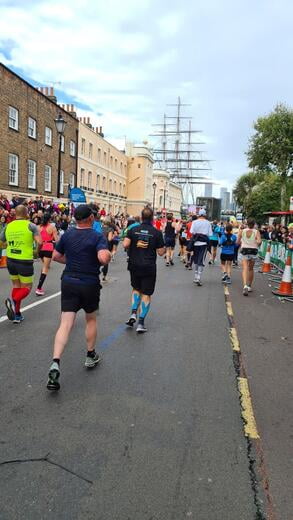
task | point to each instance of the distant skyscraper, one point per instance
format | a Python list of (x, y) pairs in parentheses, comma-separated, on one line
[(225, 199), (208, 190)]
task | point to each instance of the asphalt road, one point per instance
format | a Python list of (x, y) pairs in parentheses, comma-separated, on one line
[(155, 432)]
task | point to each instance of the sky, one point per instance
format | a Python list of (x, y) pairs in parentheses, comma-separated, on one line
[(122, 62)]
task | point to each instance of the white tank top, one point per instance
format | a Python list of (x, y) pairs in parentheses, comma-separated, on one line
[(249, 242)]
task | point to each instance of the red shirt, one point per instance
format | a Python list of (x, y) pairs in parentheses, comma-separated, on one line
[(188, 226)]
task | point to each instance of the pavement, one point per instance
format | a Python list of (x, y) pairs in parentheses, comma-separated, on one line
[(155, 432)]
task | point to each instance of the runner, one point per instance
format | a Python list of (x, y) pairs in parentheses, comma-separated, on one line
[(170, 236), (49, 235), (19, 237), (143, 243), (189, 261), (107, 231), (201, 229), (214, 241), (82, 250), (227, 243), (250, 240), (183, 243)]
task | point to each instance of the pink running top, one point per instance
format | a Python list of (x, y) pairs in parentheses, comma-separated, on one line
[(47, 239)]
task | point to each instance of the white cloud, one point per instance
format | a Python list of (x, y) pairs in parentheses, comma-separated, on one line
[(128, 60)]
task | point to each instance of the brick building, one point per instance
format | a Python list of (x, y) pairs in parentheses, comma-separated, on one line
[(29, 141)]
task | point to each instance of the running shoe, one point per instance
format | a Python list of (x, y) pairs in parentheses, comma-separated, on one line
[(210, 262), (198, 283), (140, 329), (53, 377), (167, 264), (228, 279), (40, 292), (190, 268), (245, 290), (171, 262), (18, 318), (249, 288), (92, 362), (10, 310), (131, 321), (224, 277)]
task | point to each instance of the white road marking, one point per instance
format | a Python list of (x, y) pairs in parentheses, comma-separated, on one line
[(31, 305)]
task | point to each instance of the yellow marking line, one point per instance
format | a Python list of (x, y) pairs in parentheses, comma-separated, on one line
[(229, 308), (250, 428), (234, 339), (226, 290)]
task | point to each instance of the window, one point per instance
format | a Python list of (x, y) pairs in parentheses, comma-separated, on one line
[(98, 182), (83, 146), (104, 184), (62, 143), (99, 155), (48, 136), (72, 180), (90, 180), (139, 165), (105, 157), (110, 185), (115, 187), (116, 164), (13, 118), (48, 177), (32, 128), (72, 148), (111, 162), (31, 174), (120, 188), (82, 177), (90, 150), (61, 182), (13, 170)]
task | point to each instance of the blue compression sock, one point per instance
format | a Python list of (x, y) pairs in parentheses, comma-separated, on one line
[(135, 302)]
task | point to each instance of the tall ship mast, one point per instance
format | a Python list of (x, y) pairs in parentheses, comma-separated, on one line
[(178, 152)]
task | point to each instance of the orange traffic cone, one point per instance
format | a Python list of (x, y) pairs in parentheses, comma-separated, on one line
[(3, 259), (266, 266), (286, 288)]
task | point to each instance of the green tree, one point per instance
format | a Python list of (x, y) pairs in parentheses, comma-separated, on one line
[(244, 186), (271, 147), (265, 197)]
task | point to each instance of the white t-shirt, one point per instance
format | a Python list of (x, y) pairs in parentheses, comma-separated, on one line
[(202, 227)]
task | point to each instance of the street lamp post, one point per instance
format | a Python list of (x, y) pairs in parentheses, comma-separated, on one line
[(60, 127), (154, 196)]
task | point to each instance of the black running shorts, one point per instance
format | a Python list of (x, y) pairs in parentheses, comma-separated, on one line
[(214, 243), (76, 296), (142, 283), (170, 242), (20, 268), (227, 258), (45, 254)]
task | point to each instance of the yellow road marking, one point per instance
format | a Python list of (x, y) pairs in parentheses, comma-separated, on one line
[(226, 290), (234, 339), (250, 428), (229, 308)]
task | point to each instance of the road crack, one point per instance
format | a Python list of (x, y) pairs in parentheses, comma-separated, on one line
[(49, 461)]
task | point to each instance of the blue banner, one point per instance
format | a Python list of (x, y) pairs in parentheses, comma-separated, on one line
[(77, 195)]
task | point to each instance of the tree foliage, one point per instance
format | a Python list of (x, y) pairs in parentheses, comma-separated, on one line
[(260, 193), (271, 146)]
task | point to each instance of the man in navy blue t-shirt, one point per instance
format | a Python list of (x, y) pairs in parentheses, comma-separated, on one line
[(83, 251)]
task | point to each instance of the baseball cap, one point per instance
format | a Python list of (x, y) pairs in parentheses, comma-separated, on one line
[(82, 212), (202, 212)]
